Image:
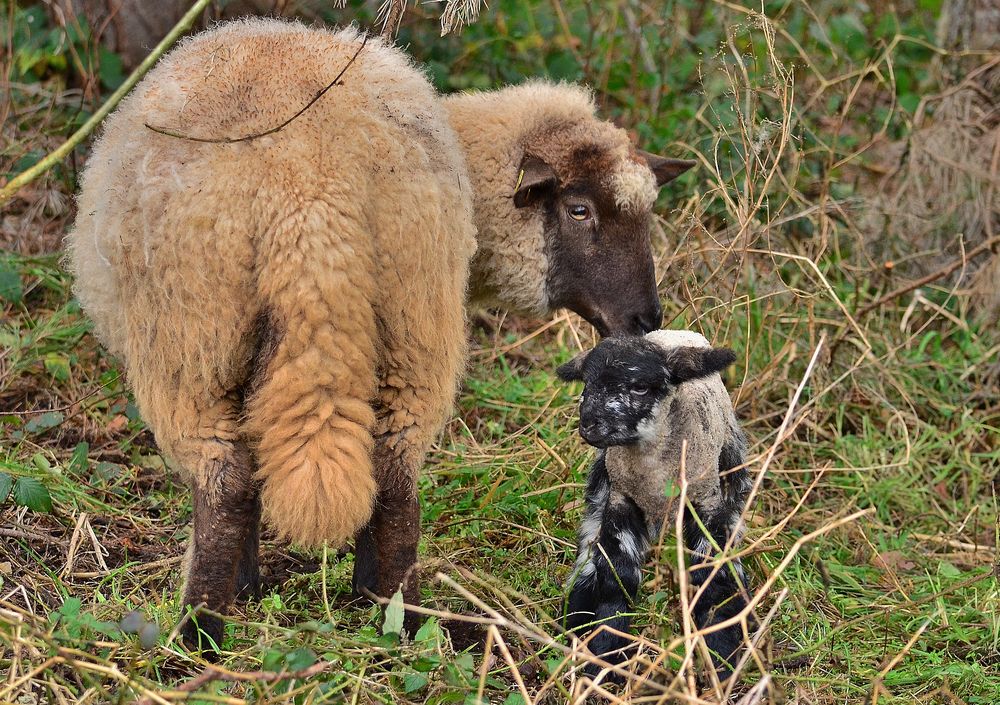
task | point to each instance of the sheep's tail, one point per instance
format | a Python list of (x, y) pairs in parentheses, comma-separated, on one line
[(309, 414)]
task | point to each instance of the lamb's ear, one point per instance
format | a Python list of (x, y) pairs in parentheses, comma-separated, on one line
[(686, 363), (665, 169), (573, 370), (534, 179)]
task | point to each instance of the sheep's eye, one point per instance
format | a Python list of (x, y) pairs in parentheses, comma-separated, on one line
[(579, 212), (640, 391)]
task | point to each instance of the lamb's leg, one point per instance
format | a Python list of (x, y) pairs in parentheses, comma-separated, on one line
[(613, 545), (726, 592), (225, 522)]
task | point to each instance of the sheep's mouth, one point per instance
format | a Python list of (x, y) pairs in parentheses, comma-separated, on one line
[(617, 326), (603, 329)]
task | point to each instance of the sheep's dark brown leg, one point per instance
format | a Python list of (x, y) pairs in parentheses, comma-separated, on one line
[(226, 511), (248, 586), (386, 549)]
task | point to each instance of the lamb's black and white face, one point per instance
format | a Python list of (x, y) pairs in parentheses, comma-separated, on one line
[(626, 379)]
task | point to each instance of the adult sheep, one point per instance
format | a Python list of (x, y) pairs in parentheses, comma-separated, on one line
[(289, 307)]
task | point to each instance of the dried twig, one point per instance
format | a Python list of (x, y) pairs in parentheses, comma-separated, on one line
[(286, 123), (219, 674), (393, 10), (933, 276)]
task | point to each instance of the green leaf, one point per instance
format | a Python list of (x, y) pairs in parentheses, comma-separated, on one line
[(412, 682), (948, 570), (11, 288), (70, 608), (393, 623), (271, 660), (300, 659), (514, 699), (105, 472), (79, 461), (43, 422), (466, 663), (6, 485), (30, 493), (425, 664), (57, 365), (428, 631)]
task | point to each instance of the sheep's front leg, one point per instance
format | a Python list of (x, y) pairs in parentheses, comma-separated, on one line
[(613, 544), (725, 593), (226, 513), (385, 553)]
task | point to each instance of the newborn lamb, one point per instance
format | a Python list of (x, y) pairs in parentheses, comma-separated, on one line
[(643, 397)]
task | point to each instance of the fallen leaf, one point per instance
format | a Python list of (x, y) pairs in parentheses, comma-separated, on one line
[(893, 561), (117, 424)]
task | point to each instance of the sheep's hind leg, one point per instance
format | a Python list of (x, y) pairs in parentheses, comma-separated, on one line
[(386, 549), (613, 545), (226, 511), (413, 402), (248, 584)]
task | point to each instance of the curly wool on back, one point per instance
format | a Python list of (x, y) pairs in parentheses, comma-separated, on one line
[(181, 248)]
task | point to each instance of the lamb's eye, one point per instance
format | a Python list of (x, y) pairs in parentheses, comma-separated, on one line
[(579, 212), (640, 391)]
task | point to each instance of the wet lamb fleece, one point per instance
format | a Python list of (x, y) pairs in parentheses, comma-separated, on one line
[(643, 399)]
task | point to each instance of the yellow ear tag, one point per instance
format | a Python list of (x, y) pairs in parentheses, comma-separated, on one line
[(520, 177)]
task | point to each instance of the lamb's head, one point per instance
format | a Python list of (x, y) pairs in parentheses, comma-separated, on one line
[(628, 381), (563, 205)]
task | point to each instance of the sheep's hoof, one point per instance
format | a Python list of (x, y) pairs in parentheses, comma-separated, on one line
[(202, 633), (248, 586)]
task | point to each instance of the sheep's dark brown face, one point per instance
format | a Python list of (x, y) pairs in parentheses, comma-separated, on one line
[(600, 264), (627, 379)]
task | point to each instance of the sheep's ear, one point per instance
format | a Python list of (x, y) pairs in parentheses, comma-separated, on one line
[(664, 168), (686, 363), (534, 179), (573, 370)]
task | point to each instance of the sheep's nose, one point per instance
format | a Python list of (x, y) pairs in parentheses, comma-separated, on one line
[(588, 428), (650, 320)]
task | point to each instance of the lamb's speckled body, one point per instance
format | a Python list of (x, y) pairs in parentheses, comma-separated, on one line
[(694, 423), (654, 406)]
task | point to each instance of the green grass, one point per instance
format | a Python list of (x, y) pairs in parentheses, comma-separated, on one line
[(896, 422), (501, 503)]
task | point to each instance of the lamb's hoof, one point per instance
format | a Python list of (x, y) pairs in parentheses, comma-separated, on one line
[(611, 649), (202, 633), (593, 670)]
